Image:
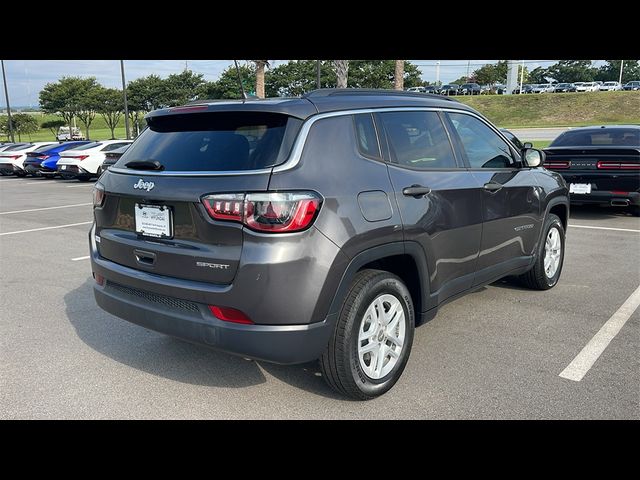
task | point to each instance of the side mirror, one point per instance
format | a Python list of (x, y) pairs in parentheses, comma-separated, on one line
[(527, 145), (533, 157)]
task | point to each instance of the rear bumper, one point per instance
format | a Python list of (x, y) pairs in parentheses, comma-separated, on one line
[(290, 344), (606, 198), (9, 168)]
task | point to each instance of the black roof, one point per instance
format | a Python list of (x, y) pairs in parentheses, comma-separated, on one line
[(319, 101)]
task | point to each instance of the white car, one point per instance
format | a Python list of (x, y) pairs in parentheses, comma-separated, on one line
[(12, 158), (587, 87), (546, 88), (610, 86), (83, 163)]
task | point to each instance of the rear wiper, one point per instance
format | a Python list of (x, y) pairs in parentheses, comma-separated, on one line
[(144, 165)]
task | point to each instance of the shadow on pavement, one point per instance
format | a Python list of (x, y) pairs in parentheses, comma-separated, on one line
[(173, 358), (596, 212)]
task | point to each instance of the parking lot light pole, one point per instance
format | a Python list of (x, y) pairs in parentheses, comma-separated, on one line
[(124, 96), (619, 80), (6, 96)]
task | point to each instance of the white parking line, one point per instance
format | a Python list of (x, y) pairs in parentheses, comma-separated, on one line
[(605, 228), (592, 350), (45, 228), (80, 258), (46, 208)]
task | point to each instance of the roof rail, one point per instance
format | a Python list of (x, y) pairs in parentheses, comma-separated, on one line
[(332, 92)]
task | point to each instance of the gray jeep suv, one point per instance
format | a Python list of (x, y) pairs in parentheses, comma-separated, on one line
[(323, 227)]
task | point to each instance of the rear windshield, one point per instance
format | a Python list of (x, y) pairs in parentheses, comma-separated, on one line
[(618, 136), (220, 141), (20, 146)]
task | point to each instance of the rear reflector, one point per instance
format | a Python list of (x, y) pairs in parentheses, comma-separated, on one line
[(608, 165), (557, 165), (228, 314), (619, 192), (99, 279)]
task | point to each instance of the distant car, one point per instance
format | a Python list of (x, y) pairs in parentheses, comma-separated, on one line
[(515, 140), (610, 86), (83, 163), (416, 89), (63, 134), (485, 89), (44, 160), (470, 89), (527, 88), (538, 88), (601, 165), (500, 88), (587, 87), (12, 159), (564, 88), (431, 89), (110, 158), (450, 89), (578, 84), (8, 145), (632, 85)]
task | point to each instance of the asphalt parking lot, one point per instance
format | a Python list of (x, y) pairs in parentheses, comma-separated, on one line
[(495, 354)]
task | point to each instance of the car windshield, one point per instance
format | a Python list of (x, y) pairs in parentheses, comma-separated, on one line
[(610, 136), (609, 83), (86, 146), (13, 148)]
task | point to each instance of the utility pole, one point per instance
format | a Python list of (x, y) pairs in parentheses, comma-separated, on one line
[(124, 96), (438, 73), (186, 65), (318, 84), (521, 76), (6, 96), (619, 80), (468, 70)]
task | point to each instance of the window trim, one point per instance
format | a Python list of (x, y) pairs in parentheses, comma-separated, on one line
[(378, 158), (517, 161), (388, 157)]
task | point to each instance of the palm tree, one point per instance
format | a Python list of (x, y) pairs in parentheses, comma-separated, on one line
[(341, 68), (260, 64), (398, 78)]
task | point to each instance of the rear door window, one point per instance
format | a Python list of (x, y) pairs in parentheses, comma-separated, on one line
[(215, 141)]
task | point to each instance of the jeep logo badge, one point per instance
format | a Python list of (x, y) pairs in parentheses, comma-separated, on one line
[(142, 185)]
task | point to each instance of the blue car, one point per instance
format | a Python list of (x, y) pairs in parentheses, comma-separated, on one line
[(44, 160)]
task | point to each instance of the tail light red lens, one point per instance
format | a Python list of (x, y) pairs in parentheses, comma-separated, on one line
[(98, 195), (42, 157), (10, 157), (609, 165), (99, 279), (228, 314), (275, 212), (558, 165), (77, 157)]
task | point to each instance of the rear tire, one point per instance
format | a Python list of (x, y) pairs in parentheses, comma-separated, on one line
[(20, 174), (550, 257), (84, 178), (362, 366), (635, 210)]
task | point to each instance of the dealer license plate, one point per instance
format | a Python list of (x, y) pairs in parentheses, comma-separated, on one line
[(153, 220), (580, 188)]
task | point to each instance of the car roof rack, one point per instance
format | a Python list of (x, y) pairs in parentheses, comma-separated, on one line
[(335, 92)]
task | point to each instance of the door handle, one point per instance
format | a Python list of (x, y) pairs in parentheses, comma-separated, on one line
[(493, 186), (416, 191)]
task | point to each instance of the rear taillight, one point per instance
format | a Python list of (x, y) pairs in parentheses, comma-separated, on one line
[(98, 195), (559, 165), (99, 279), (10, 157), (76, 157), (609, 165), (228, 314), (266, 212), (42, 157)]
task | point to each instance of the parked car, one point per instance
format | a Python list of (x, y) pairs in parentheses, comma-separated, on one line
[(431, 89), (526, 88), (632, 85), (110, 158), (515, 140), (485, 89), (12, 159), (63, 134), (587, 87), (538, 88), (564, 88), (15, 146), (610, 86), (44, 160), (259, 252), (500, 88), (83, 163), (470, 89), (578, 84), (600, 164), (416, 89), (450, 89)]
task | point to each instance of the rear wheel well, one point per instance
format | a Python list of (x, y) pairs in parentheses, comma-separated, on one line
[(404, 266), (561, 211)]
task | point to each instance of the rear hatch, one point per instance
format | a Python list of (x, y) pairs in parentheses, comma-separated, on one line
[(153, 218), (607, 168)]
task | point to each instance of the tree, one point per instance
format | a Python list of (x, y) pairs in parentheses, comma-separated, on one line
[(146, 93), (341, 68), (110, 107), (23, 123), (260, 64), (89, 103), (4, 126), (610, 71), (53, 126), (491, 73), (181, 88), (297, 77), (538, 75), (381, 74), (398, 76), (227, 85), (64, 97), (570, 71)]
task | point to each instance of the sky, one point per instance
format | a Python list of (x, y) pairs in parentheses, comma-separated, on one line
[(25, 78)]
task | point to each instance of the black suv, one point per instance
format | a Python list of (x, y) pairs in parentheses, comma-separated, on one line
[(322, 227)]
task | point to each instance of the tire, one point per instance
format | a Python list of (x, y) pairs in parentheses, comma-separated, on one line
[(538, 278), (344, 368), (84, 178), (66, 176), (635, 210), (20, 174)]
